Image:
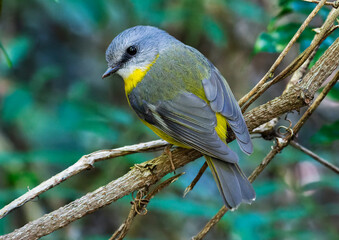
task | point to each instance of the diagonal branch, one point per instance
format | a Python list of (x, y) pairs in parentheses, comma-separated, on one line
[(281, 143), (315, 156), (334, 4), (151, 171), (85, 162), (282, 55), (326, 29), (139, 207)]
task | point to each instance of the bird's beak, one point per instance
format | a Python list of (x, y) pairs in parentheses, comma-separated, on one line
[(110, 71)]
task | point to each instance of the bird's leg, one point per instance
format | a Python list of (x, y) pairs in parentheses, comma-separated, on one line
[(167, 150)]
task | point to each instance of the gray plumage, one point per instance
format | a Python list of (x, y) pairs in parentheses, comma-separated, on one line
[(231, 182), (171, 96), (222, 100), (189, 120)]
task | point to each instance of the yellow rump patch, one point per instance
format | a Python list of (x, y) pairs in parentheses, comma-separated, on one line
[(221, 127), (136, 76)]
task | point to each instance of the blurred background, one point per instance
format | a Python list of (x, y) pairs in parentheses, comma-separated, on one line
[(55, 108)]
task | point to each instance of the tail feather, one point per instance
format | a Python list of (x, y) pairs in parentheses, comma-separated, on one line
[(232, 182)]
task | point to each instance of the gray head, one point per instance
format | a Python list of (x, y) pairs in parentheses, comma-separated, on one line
[(135, 48)]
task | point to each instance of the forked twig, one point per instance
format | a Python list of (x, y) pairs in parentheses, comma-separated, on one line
[(153, 170), (302, 62), (326, 29), (282, 55), (140, 207), (334, 4), (281, 143), (85, 162)]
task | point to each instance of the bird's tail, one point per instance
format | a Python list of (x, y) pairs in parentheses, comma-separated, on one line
[(232, 182)]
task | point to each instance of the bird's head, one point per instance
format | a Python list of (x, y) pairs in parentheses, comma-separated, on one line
[(135, 48)]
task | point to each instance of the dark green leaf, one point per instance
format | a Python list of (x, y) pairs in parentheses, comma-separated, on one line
[(8, 60), (327, 134)]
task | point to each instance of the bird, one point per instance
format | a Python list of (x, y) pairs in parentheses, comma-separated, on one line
[(179, 94)]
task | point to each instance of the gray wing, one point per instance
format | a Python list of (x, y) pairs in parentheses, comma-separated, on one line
[(222, 101), (190, 120)]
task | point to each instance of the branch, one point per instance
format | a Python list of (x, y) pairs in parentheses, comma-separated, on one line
[(281, 143), (150, 172), (196, 179), (334, 4), (322, 33), (139, 207), (282, 55), (211, 223), (315, 157), (85, 162), (140, 176)]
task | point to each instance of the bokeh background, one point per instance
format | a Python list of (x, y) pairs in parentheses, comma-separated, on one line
[(55, 108)]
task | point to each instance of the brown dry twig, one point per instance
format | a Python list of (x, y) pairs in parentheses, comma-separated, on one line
[(151, 171), (334, 4), (315, 156), (300, 63), (84, 163), (196, 179), (326, 29), (139, 207), (282, 55), (281, 143)]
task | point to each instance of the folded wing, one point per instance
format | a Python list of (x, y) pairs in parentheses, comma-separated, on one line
[(222, 101)]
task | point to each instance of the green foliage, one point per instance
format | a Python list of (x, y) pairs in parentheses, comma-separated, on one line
[(334, 93), (327, 134), (55, 108), (280, 31)]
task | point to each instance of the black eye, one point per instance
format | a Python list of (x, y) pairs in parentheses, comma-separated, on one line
[(131, 50)]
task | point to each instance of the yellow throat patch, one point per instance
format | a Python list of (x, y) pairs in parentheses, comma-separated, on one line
[(136, 76)]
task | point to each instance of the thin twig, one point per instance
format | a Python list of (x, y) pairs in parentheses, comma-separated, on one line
[(196, 179), (85, 162), (282, 55), (121, 232), (162, 185), (148, 173), (211, 224), (315, 156), (300, 73), (334, 4), (281, 143), (123, 229), (326, 29), (288, 70)]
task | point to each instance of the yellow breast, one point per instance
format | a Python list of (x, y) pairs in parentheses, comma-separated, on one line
[(132, 80)]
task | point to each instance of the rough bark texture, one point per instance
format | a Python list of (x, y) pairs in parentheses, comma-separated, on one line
[(150, 172)]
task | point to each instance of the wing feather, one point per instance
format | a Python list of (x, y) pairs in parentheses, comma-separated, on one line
[(222, 101), (190, 120)]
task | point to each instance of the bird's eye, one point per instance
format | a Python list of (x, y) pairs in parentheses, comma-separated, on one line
[(131, 50)]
